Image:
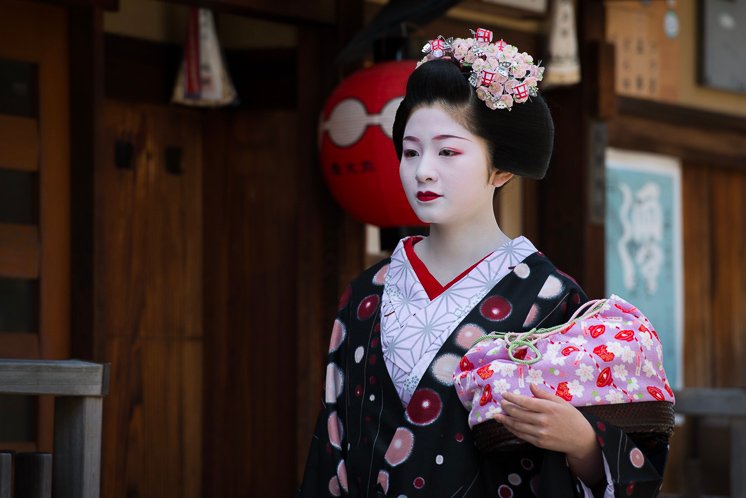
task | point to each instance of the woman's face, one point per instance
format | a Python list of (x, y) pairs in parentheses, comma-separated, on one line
[(444, 169)]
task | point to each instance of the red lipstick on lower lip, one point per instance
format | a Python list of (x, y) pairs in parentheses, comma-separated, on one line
[(427, 196)]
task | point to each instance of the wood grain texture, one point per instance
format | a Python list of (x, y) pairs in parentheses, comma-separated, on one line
[(727, 219), (19, 143), (251, 308), (148, 278), (19, 251), (59, 378), (77, 443)]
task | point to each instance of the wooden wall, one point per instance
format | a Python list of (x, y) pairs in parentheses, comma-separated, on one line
[(148, 276), (210, 288), (710, 146)]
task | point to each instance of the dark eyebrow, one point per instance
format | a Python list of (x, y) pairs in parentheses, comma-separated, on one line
[(439, 137), (443, 137)]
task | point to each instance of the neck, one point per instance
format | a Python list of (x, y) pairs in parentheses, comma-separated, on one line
[(446, 253)]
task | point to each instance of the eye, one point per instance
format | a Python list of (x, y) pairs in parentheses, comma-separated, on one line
[(409, 153), (449, 152)]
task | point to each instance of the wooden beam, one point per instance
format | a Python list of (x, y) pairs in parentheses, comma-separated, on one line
[(19, 143), (58, 378), (19, 345), (714, 402), (77, 443), (19, 251), (694, 136)]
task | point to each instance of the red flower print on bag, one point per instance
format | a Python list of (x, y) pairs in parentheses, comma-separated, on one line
[(485, 372), (563, 391), (625, 335), (625, 309), (569, 350), (486, 395), (465, 365), (597, 330), (603, 353), (656, 393), (604, 378), (668, 389)]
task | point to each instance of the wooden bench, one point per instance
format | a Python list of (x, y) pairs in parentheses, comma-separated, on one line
[(78, 387)]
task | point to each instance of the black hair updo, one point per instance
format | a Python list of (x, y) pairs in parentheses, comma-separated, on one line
[(519, 141)]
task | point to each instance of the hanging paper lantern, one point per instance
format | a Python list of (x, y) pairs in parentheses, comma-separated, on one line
[(357, 156)]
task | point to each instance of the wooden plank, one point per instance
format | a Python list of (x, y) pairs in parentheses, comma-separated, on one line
[(19, 345), (726, 402), (738, 457), (77, 447), (6, 475), (19, 250), (691, 142), (728, 210), (33, 475), (55, 377), (19, 143), (153, 418), (697, 253)]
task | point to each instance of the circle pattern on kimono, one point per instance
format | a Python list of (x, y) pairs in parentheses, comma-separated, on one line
[(637, 458), (439, 459), (380, 277), (552, 287), (372, 397), (527, 463), (424, 407), (383, 480), (359, 352), (468, 334), (514, 479), (443, 368), (496, 308), (522, 270), (334, 382), (400, 447), (504, 491), (459, 437), (534, 485), (367, 307), (334, 486), (345, 297), (338, 335), (418, 482), (334, 428), (342, 475), (532, 316)]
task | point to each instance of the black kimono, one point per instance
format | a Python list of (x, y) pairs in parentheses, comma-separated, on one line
[(377, 436)]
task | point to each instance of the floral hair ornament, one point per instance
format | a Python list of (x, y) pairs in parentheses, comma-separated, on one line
[(501, 75)]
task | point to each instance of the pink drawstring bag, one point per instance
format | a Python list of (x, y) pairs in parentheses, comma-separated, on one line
[(607, 360)]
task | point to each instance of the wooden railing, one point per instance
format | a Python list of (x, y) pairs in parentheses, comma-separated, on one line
[(729, 404), (78, 388)]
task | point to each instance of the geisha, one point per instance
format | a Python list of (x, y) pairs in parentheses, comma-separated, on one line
[(391, 423)]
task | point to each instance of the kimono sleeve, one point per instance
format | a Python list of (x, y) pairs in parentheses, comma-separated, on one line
[(325, 473), (633, 464)]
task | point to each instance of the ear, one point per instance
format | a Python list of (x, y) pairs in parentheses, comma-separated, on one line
[(500, 178)]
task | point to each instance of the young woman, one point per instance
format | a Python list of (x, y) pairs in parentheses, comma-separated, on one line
[(391, 422)]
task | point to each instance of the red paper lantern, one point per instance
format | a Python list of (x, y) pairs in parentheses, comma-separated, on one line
[(357, 154)]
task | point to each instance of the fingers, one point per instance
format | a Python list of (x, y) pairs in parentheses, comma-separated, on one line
[(542, 393)]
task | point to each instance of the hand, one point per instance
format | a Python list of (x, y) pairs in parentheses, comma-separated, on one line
[(549, 422)]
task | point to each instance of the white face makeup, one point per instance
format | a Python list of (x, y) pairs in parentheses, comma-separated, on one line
[(444, 168)]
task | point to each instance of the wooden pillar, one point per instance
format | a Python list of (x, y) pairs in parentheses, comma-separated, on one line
[(571, 232)]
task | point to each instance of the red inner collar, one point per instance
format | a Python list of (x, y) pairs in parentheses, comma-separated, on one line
[(430, 283)]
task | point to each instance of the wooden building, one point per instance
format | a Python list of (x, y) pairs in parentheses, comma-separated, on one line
[(199, 252)]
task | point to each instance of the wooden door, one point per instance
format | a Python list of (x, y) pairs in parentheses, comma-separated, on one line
[(148, 313), (34, 205)]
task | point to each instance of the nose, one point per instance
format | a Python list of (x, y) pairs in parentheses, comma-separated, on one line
[(425, 169)]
